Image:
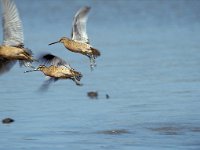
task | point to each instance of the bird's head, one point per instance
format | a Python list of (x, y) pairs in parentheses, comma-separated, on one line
[(62, 40), (41, 67)]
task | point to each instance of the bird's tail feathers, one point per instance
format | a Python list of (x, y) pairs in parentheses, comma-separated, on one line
[(95, 52)]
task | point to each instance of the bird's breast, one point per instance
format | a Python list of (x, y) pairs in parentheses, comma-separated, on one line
[(76, 46)]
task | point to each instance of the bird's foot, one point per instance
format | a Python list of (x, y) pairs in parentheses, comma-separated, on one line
[(92, 62), (77, 82)]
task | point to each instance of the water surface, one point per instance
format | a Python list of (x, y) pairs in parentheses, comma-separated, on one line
[(149, 67)]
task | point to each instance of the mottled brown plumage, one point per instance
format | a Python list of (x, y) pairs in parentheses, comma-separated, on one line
[(56, 68), (79, 42), (15, 53), (79, 47), (60, 72)]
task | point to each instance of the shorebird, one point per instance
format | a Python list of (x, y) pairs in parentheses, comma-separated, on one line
[(55, 68), (79, 42), (12, 48)]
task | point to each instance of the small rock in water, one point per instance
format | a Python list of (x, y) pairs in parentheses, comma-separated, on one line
[(92, 95), (7, 120), (107, 96)]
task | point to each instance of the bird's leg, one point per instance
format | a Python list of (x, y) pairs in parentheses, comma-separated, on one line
[(28, 64), (31, 70), (93, 61), (91, 64), (77, 82)]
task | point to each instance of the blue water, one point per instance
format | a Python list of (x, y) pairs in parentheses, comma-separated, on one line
[(150, 67)]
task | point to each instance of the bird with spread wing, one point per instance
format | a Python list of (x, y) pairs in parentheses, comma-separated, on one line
[(12, 49), (79, 42), (55, 69)]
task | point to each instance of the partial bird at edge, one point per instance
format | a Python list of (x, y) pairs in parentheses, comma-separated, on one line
[(13, 39)]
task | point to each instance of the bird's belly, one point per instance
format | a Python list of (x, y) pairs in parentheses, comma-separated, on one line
[(10, 52), (78, 47), (74, 49)]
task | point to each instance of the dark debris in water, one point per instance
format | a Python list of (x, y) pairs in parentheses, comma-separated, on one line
[(7, 120), (95, 95), (29, 139), (92, 94), (107, 96), (174, 130), (167, 130), (114, 132)]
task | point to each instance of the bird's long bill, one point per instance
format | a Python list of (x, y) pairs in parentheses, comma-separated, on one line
[(54, 42), (31, 70)]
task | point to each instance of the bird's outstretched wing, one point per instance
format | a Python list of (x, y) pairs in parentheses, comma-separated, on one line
[(12, 25), (49, 59), (6, 65), (79, 25), (45, 86)]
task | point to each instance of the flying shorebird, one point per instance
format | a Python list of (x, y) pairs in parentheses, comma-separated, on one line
[(79, 42), (12, 48), (56, 68)]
